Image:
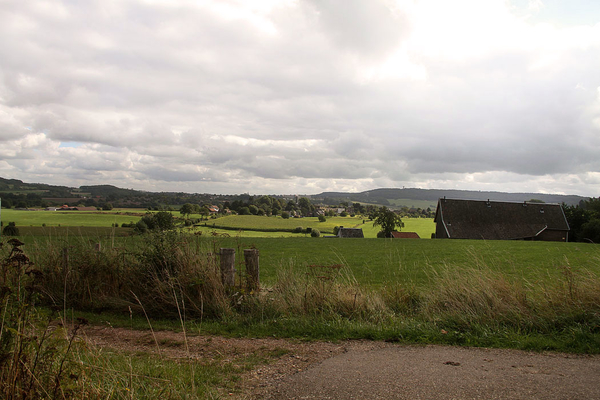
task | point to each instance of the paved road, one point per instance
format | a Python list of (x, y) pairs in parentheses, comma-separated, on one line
[(437, 372)]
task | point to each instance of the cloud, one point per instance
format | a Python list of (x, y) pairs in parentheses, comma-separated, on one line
[(299, 97)]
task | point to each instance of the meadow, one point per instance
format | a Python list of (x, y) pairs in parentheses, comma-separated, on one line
[(234, 225), (251, 223), (71, 218), (515, 294)]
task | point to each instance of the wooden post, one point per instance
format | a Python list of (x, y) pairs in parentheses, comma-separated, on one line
[(252, 269), (98, 247), (228, 267)]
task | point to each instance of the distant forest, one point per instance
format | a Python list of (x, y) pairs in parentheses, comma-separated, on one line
[(16, 193)]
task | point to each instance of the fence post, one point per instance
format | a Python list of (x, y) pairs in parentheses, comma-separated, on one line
[(252, 269), (228, 266), (65, 259)]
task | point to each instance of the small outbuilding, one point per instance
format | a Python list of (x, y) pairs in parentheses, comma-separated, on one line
[(405, 235), (350, 233), (495, 220)]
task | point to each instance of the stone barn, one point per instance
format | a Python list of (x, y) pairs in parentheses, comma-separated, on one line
[(494, 220)]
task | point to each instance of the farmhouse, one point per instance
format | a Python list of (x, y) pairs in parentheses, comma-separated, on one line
[(494, 220)]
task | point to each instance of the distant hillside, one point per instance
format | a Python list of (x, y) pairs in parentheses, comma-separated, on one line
[(108, 190), (393, 196), (14, 191)]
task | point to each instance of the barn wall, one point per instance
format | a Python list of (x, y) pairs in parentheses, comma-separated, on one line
[(552, 236)]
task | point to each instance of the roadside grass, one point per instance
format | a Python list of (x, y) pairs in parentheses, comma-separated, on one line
[(523, 295), (141, 375)]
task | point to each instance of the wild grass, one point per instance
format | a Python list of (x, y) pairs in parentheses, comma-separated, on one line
[(535, 296)]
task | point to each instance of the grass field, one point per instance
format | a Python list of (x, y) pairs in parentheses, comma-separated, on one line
[(528, 295), (235, 225), (377, 262), (69, 218), (423, 226)]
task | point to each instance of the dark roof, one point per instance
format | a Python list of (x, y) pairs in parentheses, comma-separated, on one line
[(405, 235), (351, 233), (475, 219)]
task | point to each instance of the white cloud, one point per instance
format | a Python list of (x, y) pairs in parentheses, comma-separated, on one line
[(300, 97)]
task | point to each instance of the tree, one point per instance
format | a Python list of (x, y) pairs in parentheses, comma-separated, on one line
[(322, 218), (244, 211), (285, 215), (388, 220), (590, 231), (161, 221), (11, 230), (187, 209), (204, 211)]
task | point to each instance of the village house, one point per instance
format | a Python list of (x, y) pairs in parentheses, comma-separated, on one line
[(494, 220)]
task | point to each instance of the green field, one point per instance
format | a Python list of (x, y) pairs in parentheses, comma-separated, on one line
[(377, 262), (69, 218), (234, 225), (423, 226)]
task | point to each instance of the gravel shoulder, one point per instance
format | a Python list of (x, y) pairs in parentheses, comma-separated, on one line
[(373, 370)]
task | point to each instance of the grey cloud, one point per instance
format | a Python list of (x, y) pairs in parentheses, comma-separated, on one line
[(165, 95)]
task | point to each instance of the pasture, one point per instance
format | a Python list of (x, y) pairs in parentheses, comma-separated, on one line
[(527, 295), (381, 262), (234, 225), (247, 223), (70, 218)]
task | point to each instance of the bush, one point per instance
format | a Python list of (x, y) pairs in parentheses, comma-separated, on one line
[(336, 229), (10, 230), (297, 229), (315, 233), (322, 218), (285, 215), (161, 221), (590, 231)]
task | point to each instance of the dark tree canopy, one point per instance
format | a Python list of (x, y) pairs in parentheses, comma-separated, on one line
[(388, 220)]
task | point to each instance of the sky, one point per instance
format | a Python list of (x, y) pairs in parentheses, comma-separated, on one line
[(302, 96)]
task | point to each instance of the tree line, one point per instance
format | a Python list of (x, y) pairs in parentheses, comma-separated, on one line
[(584, 220)]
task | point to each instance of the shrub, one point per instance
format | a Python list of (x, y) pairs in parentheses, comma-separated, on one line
[(322, 218), (336, 229), (285, 215), (297, 229), (10, 230), (315, 233), (36, 353)]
